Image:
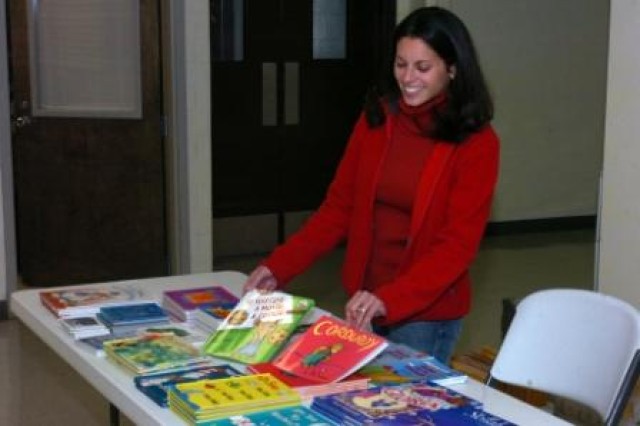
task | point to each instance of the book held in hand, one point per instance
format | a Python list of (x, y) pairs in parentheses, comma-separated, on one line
[(329, 350), (258, 326)]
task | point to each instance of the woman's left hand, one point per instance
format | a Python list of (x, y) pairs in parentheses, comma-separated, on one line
[(362, 308)]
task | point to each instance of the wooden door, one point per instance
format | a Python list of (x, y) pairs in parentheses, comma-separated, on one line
[(89, 191), (283, 107)]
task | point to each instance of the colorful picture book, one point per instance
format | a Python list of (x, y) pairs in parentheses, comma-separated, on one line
[(80, 302), (329, 350), (412, 369), (309, 388), (155, 385), (258, 326), (289, 416), (150, 353), (414, 403), (210, 318), (205, 400), (182, 303)]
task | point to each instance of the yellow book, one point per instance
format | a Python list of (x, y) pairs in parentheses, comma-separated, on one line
[(216, 398)]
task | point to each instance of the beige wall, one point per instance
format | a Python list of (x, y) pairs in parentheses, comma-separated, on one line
[(619, 262)]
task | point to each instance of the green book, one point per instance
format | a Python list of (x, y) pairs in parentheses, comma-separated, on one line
[(258, 327)]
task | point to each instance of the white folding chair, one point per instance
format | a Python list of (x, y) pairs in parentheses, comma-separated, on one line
[(577, 344)]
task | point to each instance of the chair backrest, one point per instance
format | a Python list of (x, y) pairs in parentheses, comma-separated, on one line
[(577, 344)]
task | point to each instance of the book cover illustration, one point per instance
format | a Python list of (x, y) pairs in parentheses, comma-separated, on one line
[(76, 302), (155, 385), (310, 388), (140, 313), (329, 350), (289, 416), (209, 399), (148, 353), (412, 369), (417, 403), (182, 302), (258, 326)]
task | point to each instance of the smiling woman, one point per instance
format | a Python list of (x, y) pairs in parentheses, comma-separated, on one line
[(412, 193)]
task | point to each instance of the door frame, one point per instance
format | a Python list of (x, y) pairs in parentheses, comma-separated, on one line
[(8, 261)]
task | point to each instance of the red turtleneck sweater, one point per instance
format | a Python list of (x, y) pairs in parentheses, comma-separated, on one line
[(399, 177)]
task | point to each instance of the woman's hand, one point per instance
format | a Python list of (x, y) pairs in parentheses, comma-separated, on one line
[(362, 308), (260, 279)]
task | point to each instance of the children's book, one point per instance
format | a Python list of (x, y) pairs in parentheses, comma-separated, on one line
[(182, 303), (411, 369), (309, 388), (210, 318), (82, 301), (135, 314), (289, 416), (329, 350), (210, 399), (258, 326), (414, 403), (155, 385), (153, 352)]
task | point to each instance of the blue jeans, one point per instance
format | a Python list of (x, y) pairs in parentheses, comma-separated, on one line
[(437, 338)]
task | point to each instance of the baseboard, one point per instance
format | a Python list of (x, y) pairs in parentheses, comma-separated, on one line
[(542, 225), (4, 310)]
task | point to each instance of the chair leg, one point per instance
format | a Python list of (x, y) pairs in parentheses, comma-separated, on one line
[(625, 391)]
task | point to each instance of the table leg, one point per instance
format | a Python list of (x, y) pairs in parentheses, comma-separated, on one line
[(114, 415)]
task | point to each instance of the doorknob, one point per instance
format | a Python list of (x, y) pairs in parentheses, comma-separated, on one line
[(21, 121)]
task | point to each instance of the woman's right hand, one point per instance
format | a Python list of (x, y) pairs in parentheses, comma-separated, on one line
[(260, 279)]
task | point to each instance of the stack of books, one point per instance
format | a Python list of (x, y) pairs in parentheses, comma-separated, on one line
[(207, 400), (153, 353), (85, 327), (209, 318), (82, 302), (258, 327), (154, 385), (183, 303), (413, 403), (122, 318)]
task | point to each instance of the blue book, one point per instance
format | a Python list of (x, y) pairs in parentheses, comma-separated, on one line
[(155, 385), (140, 313), (428, 368), (414, 403), (288, 416)]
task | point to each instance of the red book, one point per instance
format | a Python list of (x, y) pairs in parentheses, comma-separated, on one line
[(329, 350)]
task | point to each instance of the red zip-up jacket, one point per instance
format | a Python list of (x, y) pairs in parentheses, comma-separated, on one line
[(450, 212)]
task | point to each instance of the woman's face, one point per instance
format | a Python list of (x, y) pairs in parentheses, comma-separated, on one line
[(420, 72)]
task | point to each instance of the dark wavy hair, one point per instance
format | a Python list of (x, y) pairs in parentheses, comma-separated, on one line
[(469, 105)]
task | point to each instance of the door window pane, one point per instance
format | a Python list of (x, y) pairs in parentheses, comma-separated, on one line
[(329, 29), (227, 27), (85, 58)]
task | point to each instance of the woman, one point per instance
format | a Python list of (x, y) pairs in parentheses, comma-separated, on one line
[(412, 193)]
